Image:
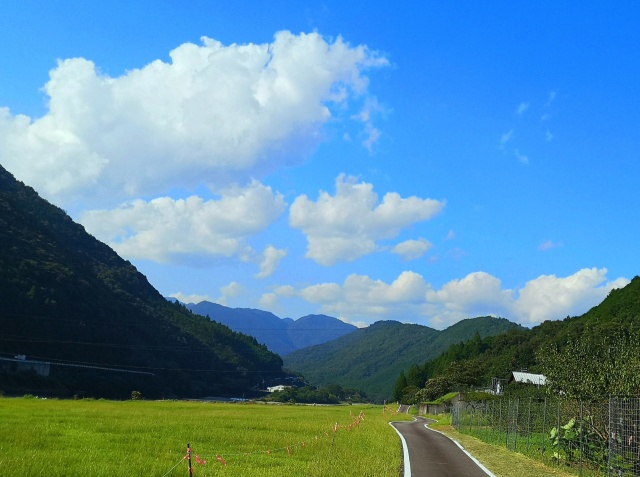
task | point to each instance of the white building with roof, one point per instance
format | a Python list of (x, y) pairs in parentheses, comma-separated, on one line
[(528, 378)]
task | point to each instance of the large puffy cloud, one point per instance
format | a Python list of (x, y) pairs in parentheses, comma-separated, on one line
[(410, 298), (361, 296), (214, 113), (549, 297), (186, 230), (348, 225)]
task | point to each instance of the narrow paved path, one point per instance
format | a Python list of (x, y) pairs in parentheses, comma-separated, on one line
[(432, 454)]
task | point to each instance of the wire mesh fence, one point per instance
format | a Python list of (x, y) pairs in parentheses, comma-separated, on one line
[(592, 439)]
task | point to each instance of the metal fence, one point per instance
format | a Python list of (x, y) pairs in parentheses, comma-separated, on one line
[(593, 439)]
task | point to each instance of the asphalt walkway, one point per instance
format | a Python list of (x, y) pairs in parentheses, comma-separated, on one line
[(432, 454)]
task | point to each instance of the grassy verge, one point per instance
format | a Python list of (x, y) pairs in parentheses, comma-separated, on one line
[(500, 461), (139, 438)]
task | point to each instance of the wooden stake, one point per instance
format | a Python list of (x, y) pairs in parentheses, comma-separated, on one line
[(189, 457)]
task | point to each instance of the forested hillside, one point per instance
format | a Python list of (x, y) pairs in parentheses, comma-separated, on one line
[(591, 356), (66, 297), (371, 358)]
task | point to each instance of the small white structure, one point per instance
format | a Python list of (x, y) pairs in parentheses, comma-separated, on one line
[(279, 387), (528, 378)]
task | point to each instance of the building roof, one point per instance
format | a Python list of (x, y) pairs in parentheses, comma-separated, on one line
[(528, 378), (279, 387)]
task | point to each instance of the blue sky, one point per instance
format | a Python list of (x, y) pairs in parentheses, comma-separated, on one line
[(423, 162)]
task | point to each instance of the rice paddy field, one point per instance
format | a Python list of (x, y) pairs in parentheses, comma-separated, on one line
[(96, 438)]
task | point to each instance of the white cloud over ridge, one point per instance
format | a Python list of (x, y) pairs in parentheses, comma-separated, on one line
[(187, 230), (348, 225), (410, 298), (214, 114)]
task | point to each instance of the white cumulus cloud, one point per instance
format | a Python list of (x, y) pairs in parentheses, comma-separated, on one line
[(213, 114), (410, 298), (347, 225), (549, 297), (189, 230)]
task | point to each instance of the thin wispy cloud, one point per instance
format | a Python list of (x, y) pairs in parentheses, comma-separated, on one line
[(505, 138), (521, 157), (522, 108), (550, 99), (548, 245), (548, 136)]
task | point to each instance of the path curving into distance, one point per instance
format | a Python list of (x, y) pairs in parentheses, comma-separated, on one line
[(429, 453)]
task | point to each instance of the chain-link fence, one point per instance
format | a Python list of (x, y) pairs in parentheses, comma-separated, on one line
[(593, 439)]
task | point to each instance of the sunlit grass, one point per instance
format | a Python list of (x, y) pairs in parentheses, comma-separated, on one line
[(140, 438)]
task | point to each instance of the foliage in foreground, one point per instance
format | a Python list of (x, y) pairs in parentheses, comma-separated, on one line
[(106, 438)]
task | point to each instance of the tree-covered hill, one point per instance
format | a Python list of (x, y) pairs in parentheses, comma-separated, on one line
[(66, 297), (603, 335), (371, 358)]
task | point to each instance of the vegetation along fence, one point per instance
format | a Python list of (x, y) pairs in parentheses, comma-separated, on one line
[(594, 439)]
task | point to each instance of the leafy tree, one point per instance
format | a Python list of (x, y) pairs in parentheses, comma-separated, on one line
[(436, 387), (594, 369), (409, 395)]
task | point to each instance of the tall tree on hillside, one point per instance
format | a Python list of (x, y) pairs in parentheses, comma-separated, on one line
[(398, 390)]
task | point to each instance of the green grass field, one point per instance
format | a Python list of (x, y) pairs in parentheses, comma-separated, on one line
[(58, 438)]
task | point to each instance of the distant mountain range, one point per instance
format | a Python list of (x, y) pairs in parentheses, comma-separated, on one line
[(372, 358), (70, 301), (280, 335)]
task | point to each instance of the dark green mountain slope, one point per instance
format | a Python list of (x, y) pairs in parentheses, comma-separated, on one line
[(65, 296), (371, 358)]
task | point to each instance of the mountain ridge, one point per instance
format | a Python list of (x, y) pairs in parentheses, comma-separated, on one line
[(280, 335), (68, 297), (371, 358)]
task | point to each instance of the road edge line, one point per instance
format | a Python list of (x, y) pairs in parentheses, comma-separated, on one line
[(406, 464), (476, 461)]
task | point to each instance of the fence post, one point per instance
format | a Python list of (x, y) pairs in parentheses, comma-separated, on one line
[(580, 437), (544, 422), (493, 423), (515, 425), (189, 458), (500, 421), (529, 425), (609, 434), (471, 420), (558, 428), (506, 427)]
